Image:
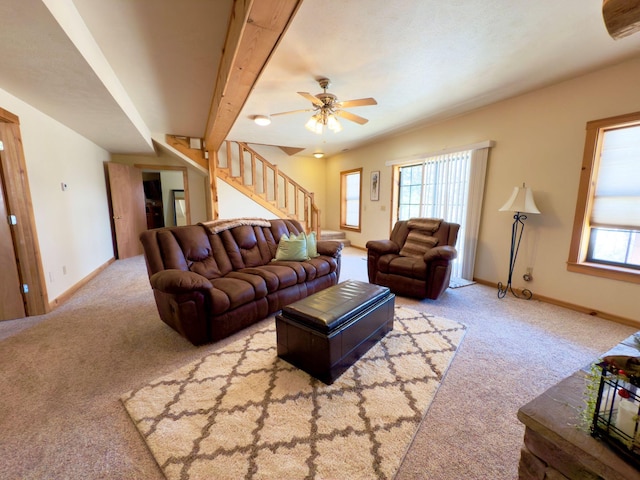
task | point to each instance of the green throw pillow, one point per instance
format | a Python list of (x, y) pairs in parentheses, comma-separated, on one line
[(292, 248), (312, 245)]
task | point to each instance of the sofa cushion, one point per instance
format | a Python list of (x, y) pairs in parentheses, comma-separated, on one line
[(292, 248), (238, 291), (295, 266), (407, 266), (256, 281), (417, 244), (276, 277), (322, 265)]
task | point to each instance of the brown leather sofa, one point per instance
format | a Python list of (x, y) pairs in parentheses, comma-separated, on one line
[(211, 280), (416, 260)]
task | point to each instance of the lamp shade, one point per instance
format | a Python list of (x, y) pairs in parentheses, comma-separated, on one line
[(521, 200)]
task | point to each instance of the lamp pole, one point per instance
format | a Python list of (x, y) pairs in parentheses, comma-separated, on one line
[(521, 202), (516, 235)]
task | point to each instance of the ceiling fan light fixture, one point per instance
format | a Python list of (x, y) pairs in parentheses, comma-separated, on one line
[(262, 120), (333, 124), (315, 124)]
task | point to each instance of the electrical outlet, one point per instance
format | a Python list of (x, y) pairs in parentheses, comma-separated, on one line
[(528, 277)]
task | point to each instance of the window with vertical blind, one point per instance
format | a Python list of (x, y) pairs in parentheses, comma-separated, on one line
[(606, 236), (447, 185), (437, 187)]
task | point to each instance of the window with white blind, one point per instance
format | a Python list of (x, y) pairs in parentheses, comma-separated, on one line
[(350, 199), (606, 237), (447, 185)]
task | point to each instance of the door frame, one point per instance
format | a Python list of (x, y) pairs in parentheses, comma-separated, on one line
[(19, 203), (185, 181)]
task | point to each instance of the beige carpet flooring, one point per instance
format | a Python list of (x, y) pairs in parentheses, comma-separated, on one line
[(63, 375)]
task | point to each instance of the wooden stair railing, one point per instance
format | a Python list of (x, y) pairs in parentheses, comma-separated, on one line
[(252, 174)]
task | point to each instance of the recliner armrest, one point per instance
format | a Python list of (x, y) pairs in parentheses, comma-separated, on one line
[(444, 252), (383, 247), (330, 248), (179, 281)]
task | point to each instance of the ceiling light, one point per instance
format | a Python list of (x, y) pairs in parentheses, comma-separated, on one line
[(318, 154), (321, 119), (262, 120), (314, 124), (333, 124)]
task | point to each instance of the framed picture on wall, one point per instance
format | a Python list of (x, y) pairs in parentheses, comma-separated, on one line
[(375, 186)]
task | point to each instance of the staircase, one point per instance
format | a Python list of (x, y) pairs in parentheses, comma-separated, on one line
[(250, 173), (333, 235)]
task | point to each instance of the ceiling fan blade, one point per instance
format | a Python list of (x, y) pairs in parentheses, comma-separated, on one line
[(311, 98), (360, 102), (351, 116), (292, 111)]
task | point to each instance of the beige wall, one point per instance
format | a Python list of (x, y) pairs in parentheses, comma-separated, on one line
[(539, 140), (73, 226)]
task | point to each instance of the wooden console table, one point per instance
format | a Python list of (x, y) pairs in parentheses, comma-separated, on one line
[(555, 447)]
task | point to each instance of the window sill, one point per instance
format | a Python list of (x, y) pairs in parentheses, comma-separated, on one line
[(605, 271)]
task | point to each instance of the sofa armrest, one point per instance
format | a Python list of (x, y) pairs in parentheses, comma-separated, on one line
[(330, 248), (179, 281), (382, 247), (445, 252)]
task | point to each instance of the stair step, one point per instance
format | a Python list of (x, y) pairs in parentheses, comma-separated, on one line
[(333, 235)]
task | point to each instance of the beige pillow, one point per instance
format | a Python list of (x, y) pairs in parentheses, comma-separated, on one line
[(417, 244)]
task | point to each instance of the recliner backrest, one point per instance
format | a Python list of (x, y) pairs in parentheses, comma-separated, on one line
[(447, 233)]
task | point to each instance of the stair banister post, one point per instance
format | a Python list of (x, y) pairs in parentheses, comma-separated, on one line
[(276, 192)]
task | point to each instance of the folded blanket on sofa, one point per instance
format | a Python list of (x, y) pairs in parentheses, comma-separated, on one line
[(217, 226)]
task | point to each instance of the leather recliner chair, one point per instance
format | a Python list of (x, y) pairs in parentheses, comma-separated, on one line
[(416, 260)]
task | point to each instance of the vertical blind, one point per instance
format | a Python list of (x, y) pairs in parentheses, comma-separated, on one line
[(448, 185), (438, 187)]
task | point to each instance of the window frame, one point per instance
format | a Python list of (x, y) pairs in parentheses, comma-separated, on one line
[(343, 200), (578, 250)]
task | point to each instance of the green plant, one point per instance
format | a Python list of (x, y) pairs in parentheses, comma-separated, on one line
[(590, 397)]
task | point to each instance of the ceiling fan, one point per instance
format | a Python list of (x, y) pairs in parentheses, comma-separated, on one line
[(327, 107)]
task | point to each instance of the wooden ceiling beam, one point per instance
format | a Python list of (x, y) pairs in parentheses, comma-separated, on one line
[(621, 17), (255, 29)]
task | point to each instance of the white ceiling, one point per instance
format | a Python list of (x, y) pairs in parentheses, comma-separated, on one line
[(152, 68)]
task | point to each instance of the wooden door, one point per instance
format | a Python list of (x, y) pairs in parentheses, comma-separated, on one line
[(11, 300), (127, 208), (17, 201)]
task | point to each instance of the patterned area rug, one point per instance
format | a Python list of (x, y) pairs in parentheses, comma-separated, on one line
[(241, 412)]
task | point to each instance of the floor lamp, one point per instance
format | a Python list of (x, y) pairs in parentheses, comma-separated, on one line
[(521, 202)]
